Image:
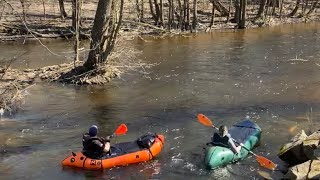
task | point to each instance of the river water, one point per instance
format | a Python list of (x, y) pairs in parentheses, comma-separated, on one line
[(268, 74)]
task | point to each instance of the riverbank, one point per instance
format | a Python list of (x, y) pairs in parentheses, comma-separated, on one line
[(30, 21)]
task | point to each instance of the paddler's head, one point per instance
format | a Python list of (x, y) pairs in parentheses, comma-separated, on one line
[(223, 130), (93, 130)]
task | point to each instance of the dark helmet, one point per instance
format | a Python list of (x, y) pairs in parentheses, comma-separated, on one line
[(93, 130), (223, 130)]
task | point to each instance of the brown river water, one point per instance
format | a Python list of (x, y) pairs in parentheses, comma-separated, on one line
[(226, 75)]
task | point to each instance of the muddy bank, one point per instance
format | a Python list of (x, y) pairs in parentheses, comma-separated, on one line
[(14, 82)]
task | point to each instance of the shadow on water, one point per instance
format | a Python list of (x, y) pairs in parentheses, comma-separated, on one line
[(225, 75)]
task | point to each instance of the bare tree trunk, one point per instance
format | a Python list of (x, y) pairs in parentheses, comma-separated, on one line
[(273, 7), (243, 5), (138, 10), (23, 10), (158, 14), (62, 10), (161, 13), (100, 30), (74, 2), (77, 31), (188, 15), (195, 20), (181, 18), (170, 14), (237, 11), (185, 14), (154, 17), (294, 11), (212, 16), (115, 27), (229, 9), (261, 9), (44, 10), (142, 10), (281, 9)]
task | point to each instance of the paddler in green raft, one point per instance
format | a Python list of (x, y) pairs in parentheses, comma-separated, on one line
[(232, 145), (223, 138)]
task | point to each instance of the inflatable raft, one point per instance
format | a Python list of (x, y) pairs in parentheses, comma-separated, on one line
[(246, 132), (144, 149)]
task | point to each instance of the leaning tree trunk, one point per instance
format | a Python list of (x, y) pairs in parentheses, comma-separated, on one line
[(261, 9), (62, 10), (219, 7), (104, 32), (294, 11)]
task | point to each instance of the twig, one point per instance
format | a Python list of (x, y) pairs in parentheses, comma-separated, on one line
[(145, 24), (24, 23), (296, 59)]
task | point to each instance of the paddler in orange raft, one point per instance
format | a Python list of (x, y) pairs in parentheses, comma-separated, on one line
[(98, 154), (93, 146)]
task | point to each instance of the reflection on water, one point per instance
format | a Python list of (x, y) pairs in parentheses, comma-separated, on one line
[(225, 75)]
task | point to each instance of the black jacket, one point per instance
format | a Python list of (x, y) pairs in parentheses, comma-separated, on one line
[(93, 146)]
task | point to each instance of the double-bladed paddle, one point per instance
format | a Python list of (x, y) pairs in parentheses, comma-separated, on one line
[(264, 162)]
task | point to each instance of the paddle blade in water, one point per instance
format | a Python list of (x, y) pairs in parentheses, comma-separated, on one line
[(204, 120), (122, 129), (264, 162)]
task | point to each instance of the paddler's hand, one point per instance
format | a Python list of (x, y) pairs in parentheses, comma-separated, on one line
[(107, 139), (241, 144)]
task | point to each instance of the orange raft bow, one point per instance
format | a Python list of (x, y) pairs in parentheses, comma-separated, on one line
[(135, 155)]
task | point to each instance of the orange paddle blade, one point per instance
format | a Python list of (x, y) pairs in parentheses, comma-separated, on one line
[(122, 129), (204, 120), (264, 162)]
